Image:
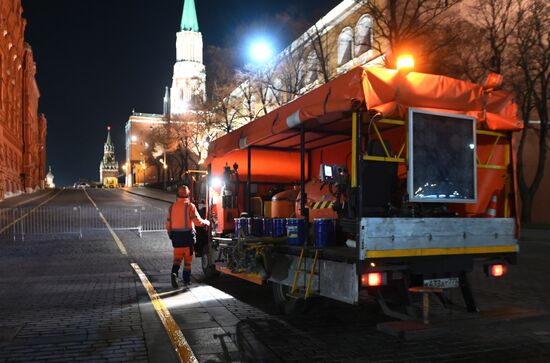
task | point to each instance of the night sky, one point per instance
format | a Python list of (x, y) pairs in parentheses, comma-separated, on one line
[(99, 59)]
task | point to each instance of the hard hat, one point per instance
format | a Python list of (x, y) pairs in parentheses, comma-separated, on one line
[(183, 191)]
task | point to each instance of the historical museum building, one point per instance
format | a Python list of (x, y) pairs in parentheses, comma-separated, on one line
[(22, 129), (108, 168), (187, 91)]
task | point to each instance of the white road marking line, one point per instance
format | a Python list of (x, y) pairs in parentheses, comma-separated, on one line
[(113, 234)]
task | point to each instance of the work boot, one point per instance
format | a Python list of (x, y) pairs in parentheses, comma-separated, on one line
[(186, 277), (174, 280)]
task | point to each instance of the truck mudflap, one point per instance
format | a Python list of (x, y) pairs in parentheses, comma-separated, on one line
[(410, 237), (332, 279)]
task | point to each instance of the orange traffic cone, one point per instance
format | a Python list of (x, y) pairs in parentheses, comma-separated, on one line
[(491, 211)]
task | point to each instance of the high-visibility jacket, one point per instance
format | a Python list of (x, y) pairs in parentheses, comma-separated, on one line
[(183, 216)]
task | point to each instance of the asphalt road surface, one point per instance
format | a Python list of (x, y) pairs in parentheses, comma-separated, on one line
[(77, 297)]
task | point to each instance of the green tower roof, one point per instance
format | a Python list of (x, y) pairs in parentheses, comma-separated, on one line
[(189, 18)]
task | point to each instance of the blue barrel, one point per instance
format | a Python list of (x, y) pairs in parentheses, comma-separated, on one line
[(296, 231), (267, 224), (242, 224), (257, 227), (324, 231), (279, 227)]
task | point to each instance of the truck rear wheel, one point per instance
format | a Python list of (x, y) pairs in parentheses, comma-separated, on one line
[(285, 304)]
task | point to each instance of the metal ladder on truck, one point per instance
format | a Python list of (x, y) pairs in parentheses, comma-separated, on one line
[(300, 292)]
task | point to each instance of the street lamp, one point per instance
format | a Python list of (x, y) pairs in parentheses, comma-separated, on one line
[(165, 169), (260, 50)]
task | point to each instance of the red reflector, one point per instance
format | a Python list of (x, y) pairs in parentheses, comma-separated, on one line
[(498, 270), (372, 279)]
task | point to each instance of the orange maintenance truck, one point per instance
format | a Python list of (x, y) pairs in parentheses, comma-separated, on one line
[(377, 183)]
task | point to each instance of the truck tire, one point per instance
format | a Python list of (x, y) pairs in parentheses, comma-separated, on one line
[(287, 305), (208, 269)]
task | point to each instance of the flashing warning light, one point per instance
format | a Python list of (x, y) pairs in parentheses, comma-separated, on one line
[(498, 270), (372, 279), (108, 128), (405, 63), (493, 80)]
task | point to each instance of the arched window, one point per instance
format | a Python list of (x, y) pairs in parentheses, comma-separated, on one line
[(363, 35), (345, 46), (312, 67)]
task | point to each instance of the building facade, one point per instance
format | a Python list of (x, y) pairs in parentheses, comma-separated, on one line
[(181, 99), (22, 129), (108, 167)]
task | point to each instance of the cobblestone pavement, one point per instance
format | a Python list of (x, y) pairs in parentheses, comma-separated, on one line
[(65, 299)]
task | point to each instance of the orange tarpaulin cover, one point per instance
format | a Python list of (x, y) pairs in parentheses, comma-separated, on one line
[(383, 90)]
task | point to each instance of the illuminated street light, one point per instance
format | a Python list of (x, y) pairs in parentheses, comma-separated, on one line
[(261, 50)]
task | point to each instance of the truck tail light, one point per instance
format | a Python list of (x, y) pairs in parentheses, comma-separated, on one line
[(497, 270), (373, 279)]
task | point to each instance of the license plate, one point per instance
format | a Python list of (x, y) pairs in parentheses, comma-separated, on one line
[(448, 283)]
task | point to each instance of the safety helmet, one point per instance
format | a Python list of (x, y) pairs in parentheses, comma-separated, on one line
[(183, 191)]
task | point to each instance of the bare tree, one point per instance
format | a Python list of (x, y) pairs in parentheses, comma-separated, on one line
[(220, 84), (532, 51), (405, 25)]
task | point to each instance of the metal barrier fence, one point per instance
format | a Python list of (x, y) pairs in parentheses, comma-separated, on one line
[(20, 223)]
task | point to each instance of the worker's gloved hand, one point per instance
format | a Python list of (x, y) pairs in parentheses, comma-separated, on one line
[(207, 223)]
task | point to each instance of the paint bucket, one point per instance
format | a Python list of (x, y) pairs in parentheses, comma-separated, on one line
[(242, 224), (267, 226), (295, 231), (257, 229), (279, 227), (324, 231)]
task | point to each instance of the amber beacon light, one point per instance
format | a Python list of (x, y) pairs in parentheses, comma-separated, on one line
[(405, 63)]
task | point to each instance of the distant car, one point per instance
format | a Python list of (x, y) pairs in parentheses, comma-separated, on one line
[(82, 185)]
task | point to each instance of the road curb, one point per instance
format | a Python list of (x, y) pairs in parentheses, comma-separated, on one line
[(148, 196)]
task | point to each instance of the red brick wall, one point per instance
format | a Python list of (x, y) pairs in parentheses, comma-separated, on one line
[(21, 142)]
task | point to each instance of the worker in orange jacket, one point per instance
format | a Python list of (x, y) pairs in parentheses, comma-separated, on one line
[(180, 225)]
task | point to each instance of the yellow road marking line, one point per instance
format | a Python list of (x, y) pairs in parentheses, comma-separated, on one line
[(183, 350), (113, 234), (30, 212), (440, 251)]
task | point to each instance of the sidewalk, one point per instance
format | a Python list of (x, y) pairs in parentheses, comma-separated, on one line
[(151, 193), (24, 198)]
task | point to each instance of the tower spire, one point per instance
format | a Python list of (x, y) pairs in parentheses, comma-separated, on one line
[(109, 142), (189, 20)]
